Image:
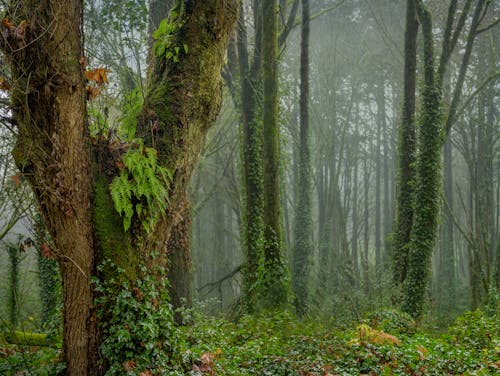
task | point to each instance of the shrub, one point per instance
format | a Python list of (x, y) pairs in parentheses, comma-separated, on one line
[(475, 329), (392, 321)]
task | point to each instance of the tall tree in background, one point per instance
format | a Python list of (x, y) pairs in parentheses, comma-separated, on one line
[(251, 83), (275, 285), (434, 126), (53, 148), (407, 148), (303, 247)]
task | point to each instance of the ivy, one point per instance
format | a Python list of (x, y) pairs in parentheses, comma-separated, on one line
[(139, 335), (142, 187)]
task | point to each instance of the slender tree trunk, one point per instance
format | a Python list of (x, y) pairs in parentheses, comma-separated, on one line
[(303, 222), (407, 147), (276, 276), (13, 295), (253, 226), (378, 177)]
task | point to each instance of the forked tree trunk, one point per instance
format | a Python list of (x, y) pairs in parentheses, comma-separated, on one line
[(42, 40)]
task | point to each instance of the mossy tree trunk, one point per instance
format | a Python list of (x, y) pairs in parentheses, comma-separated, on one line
[(407, 148), (179, 255), (303, 247), (53, 148), (427, 179), (13, 294), (275, 278), (250, 92), (434, 126)]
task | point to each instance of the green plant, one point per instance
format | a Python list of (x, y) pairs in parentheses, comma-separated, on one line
[(132, 107), (141, 188), (165, 33), (392, 321), (139, 333), (476, 329)]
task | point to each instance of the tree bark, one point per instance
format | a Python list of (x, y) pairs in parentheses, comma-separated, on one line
[(407, 148), (303, 222), (275, 291)]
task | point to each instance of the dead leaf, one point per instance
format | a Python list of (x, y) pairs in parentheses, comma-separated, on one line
[(17, 179), (97, 75), (83, 62), (129, 365), (46, 252), (92, 92), (20, 31), (4, 84), (7, 24)]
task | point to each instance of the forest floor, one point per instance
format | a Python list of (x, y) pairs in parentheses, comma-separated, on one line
[(278, 344)]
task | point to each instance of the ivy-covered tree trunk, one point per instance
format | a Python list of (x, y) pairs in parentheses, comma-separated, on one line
[(13, 294), (303, 247), (428, 167), (433, 127), (407, 149), (251, 84), (42, 40), (275, 286)]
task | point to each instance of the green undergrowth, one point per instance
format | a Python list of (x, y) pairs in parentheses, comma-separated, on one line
[(278, 344)]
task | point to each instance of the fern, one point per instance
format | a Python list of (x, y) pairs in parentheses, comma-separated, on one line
[(141, 188)]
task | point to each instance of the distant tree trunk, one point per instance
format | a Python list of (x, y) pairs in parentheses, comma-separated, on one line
[(378, 177), (253, 227), (13, 294), (407, 148), (275, 291), (366, 225), (484, 228), (428, 166), (447, 260), (303, 248), (355, 198)]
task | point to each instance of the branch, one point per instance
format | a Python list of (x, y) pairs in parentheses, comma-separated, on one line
[(486, 28), (289, 24), (219, 281), (485, 83)]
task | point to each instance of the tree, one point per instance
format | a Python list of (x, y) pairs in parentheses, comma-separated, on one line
[(303, 249), (433, 125), (406, 166), (275, 285), (70, 176)]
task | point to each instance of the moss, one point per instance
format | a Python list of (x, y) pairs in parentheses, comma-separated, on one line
[(27, 339), (113, 242)]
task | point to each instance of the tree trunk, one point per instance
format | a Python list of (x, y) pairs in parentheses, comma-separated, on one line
[(407, 147), (275, 290), (253, 226), (303, 222)]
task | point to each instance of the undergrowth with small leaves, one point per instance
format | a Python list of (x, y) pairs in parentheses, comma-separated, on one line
[(278, 344)]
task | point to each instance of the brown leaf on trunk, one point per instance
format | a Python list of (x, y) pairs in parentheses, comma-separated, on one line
[(4, 84), (46, 251), (16, 179), (20, 31)]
